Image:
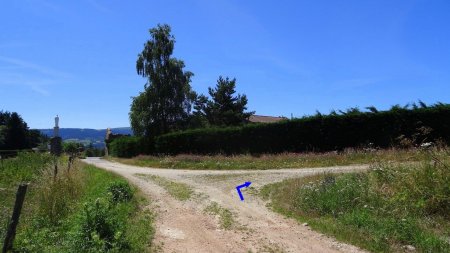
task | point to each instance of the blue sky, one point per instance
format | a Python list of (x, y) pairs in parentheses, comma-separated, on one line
[(77, 58)]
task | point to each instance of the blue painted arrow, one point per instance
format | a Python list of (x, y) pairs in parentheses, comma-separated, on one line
[(238, 188)]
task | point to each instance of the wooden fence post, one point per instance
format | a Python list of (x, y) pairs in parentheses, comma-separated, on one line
[(70, 163), (11, 232), (55, 170)]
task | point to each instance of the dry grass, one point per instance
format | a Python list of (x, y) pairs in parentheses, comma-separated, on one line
[(384, 209), (275, 161), (177, 190), (57, 195)]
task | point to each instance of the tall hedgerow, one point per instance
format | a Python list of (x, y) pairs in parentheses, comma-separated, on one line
[(399, 126)]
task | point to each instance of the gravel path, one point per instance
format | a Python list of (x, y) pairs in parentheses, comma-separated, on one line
[(183, 226)]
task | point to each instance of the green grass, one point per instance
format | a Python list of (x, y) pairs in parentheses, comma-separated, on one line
[(226, 219), (278, 161), (179, 191), (26, 167), (382, 210), (57, 212)]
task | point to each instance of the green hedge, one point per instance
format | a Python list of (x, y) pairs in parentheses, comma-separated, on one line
[(315, 133), (125, 146), (129, 146)]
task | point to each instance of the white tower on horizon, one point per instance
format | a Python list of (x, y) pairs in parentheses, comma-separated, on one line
[(56, 128)]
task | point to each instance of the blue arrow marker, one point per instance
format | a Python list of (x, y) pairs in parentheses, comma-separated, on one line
[(238, 188)]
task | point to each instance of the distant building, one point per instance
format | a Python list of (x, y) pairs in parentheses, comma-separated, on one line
[(265, 119)]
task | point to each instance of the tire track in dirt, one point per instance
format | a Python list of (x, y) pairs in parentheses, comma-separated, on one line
[(183, 226)]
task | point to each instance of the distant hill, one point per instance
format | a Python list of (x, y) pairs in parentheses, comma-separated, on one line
[(86, 135)]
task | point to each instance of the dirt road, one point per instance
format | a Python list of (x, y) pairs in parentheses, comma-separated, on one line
[(184, 226)]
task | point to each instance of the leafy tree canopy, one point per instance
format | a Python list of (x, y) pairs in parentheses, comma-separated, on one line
[(166, 101), (224, 108), (14, 133)]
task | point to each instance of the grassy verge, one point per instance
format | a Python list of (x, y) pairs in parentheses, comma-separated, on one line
[(179, 191), (24, 168), (383, 210), (84, 210), (226, 219), (279, 161)]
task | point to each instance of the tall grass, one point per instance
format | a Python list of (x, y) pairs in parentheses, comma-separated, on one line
[(278, 161), (58, 196), (60, 212), (26, 167), (382, 210)]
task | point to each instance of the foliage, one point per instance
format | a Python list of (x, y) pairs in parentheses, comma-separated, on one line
[(101, 230), (26, 167), (120, 192), (37, 139), (107, 226), (94, 152), (391, 205), (91, 151), (2, 135), (225, 109), (201, 141), (15, 134), (72, 148), (315, 133), (127, 146), (165, 103), (57, 197), (54, 213)]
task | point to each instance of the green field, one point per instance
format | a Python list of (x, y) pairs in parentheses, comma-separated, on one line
[(84, 210)]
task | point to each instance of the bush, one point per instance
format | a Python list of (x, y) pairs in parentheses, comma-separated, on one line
[(120, 192), (100, 229), (126, 146), (316, 133), (319, 133)]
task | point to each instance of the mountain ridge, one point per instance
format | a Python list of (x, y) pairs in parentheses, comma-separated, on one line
[(86, 135)]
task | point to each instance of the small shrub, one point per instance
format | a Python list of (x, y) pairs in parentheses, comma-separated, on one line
[(100, 229), (120, 191)]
